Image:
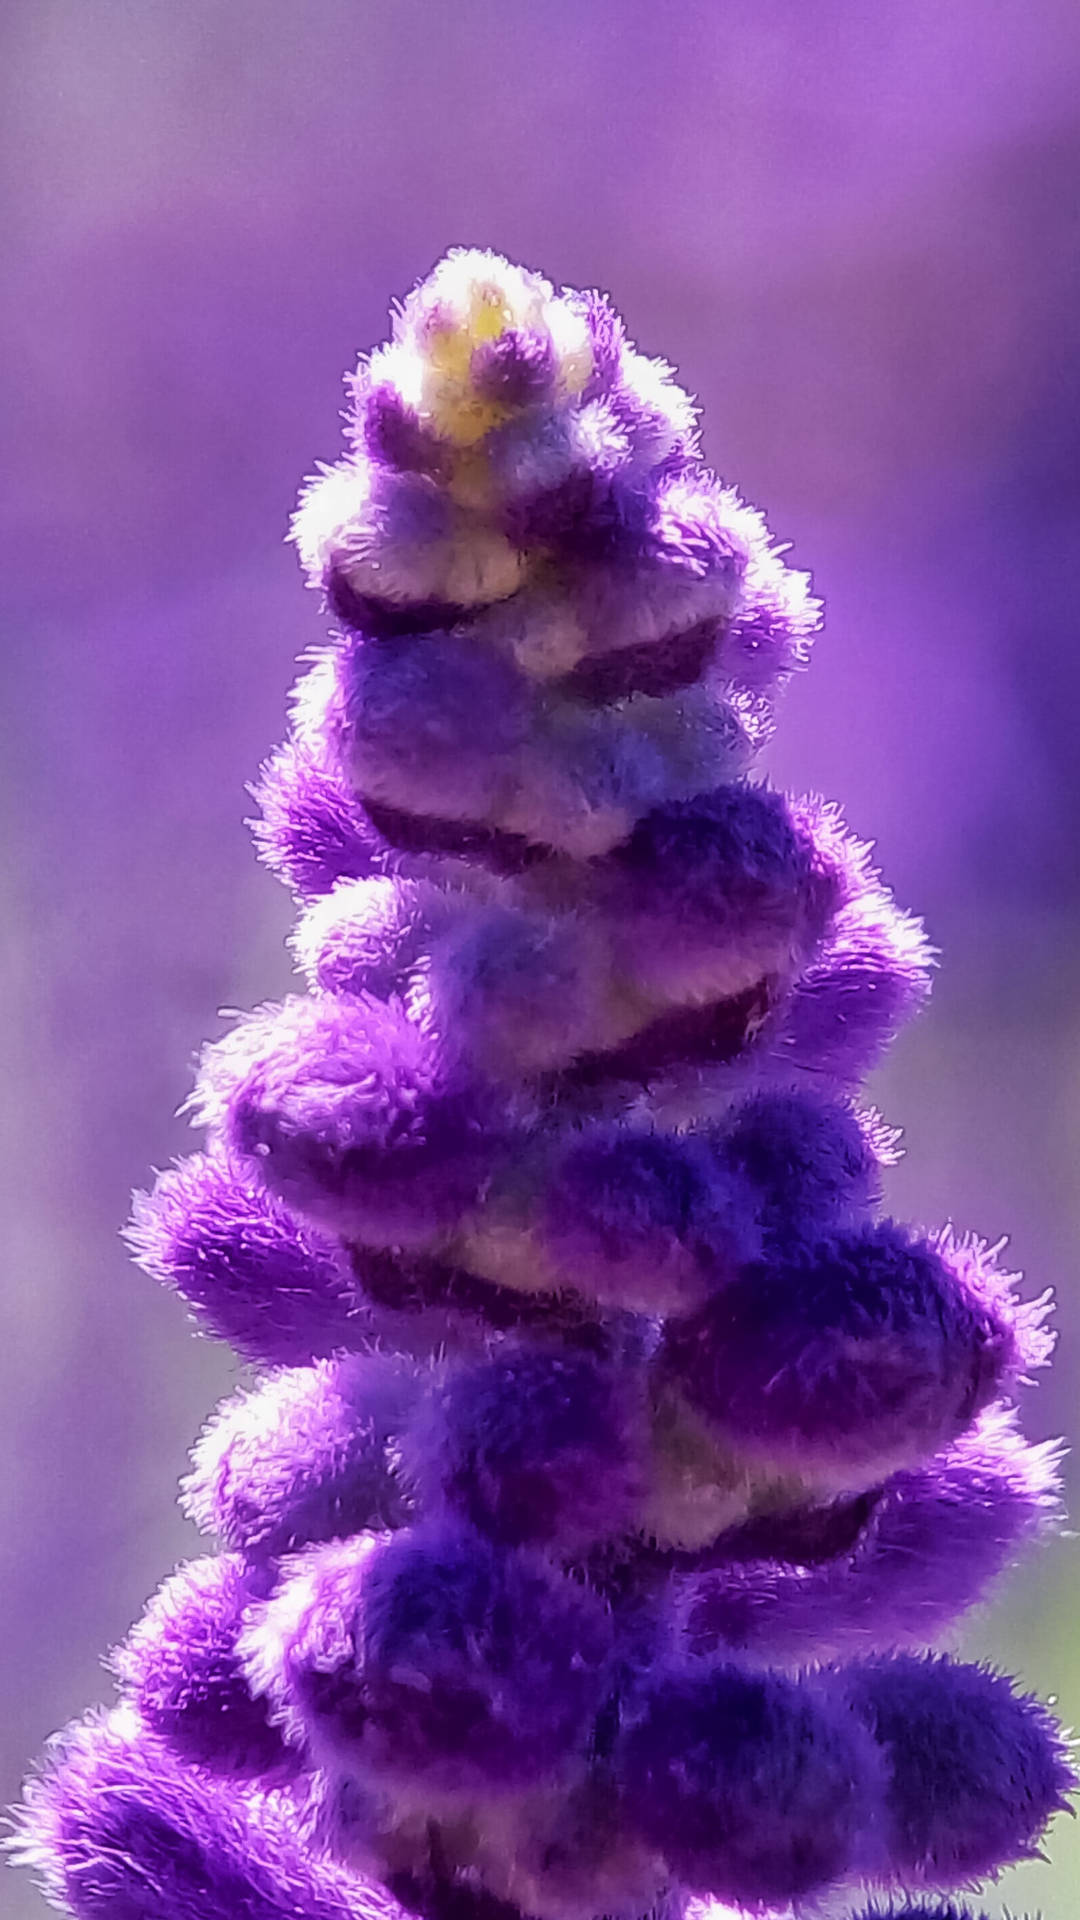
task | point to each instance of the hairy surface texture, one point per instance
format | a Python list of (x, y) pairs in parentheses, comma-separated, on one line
[(609, 1467)]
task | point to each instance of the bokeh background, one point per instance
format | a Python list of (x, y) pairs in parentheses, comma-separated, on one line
[(855, 227)]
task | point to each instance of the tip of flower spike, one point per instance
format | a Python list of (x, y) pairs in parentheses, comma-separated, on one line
[(510, 443), (481, 341), (478, 339)]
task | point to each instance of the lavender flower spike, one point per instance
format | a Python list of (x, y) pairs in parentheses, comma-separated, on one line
[(611, 1465)]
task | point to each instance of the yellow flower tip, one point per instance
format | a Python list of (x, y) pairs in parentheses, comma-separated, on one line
[(446, 347), (471, 483), (489, 314), (460, 417), (471, 298)]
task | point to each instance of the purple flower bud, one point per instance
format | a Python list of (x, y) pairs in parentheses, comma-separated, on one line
[(733, 874), (607, 337), (847, 1356), (392, 433), (772, 633), (345, 1109), (644, 1220), (754, 1787), (518, 993), (304, 1456), (368, 935), (180, 1665), (935, 1538), (976, 1770), (248, 1269), (807, 1158), (430, 1658), (516, 368), (313, 831), (872, 975), (532, 1447), (119, 1829), (434, 724)]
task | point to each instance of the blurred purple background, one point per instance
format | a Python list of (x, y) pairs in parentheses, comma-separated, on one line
[(855, 227)]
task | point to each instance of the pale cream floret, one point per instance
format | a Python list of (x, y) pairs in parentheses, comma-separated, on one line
[(569, 335), (699, 1488), (545, 1855), (653, 383), (695, 1490), (470, 283), (538, 627), (398, 366), (503, 1249), (597, 436), (334, 505), (338, 524), (481, 566)]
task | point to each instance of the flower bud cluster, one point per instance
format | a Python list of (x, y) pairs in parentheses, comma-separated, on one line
[(612, 1462)]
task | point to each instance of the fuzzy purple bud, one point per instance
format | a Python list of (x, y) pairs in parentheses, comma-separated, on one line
[(733, 873), (313, 830), (807, 1158), (392, 433), (976, 1770), (872, 976), (366, 936), (304, 1456), (118, 1829), (752, 1786), (846, 1357), (431, 1657), (520, 993), (180, 1665), (934, 1540), (434, 724), (345, 1109), (248, 1269), (542, 1448), (645, 1220), (516, 368)]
